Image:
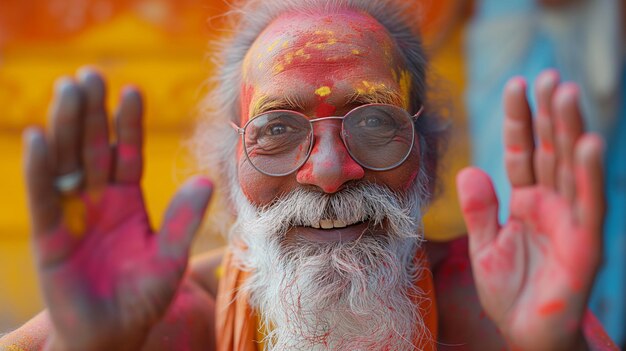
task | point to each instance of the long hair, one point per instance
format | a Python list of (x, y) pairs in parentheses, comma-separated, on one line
[(215, 142)]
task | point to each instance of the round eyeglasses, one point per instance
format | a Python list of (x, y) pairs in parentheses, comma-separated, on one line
[(378, 137)]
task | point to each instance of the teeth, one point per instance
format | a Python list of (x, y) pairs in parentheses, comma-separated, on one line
[(339, 224), (329, 224), (326, 223)]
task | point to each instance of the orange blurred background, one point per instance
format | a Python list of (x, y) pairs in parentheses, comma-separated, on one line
[(160, 46)]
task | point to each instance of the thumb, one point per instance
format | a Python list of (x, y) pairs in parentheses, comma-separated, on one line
[(183, 217), (479, 206)]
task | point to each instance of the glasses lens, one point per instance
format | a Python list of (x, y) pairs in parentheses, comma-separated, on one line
[(379, 137), (277, 142)]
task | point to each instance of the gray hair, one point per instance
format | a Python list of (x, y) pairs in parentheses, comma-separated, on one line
[(215, 142)]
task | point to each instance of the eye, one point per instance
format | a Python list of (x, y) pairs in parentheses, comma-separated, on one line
[(376, 121), (372, 122), (276, 129)]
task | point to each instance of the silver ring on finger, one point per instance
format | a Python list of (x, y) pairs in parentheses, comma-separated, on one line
[(69, 183)]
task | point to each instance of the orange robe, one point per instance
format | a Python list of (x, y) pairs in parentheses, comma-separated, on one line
[(236, 321)]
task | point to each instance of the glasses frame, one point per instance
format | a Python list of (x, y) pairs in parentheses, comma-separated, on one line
[(242, 131)]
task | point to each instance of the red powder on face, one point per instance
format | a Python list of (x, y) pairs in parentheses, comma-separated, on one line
[(247, 91), (332, 51), (324, 110), (329, 170), (551, 307)]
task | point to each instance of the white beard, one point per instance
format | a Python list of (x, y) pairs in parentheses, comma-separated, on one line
[(356, 295)]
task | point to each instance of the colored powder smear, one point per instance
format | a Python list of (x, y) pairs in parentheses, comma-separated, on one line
[(323, 91), (551, 307)]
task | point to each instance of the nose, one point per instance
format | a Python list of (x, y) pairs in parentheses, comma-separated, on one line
[(330, 165)]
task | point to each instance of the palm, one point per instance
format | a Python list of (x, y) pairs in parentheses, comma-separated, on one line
[(106, 276), (111, 267), (534, 272)]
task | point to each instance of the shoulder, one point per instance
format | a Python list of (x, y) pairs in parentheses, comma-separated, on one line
[(462, 321)]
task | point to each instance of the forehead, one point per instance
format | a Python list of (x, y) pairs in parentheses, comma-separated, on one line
[(301, 53), (344, 32)]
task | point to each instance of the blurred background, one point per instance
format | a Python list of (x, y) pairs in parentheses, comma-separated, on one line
[(157, 45), (161, 46)]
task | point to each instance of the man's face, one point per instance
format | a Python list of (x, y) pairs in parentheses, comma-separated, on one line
[(323, 65)]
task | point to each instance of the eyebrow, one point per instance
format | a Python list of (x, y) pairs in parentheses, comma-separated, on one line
[(271, 103), (293, 102), (378, 96)]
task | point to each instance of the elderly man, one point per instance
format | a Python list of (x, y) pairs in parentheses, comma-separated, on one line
[(327, 148)]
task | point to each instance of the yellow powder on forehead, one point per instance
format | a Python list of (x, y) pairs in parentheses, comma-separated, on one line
[(273, 45), (327, 32), (323, 91), (288, 57), (278, 67), (319, 43), (300, 53), (370, 88), (322, 46)]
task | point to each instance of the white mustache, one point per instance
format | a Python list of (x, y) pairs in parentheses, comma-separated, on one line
[(357, 203)]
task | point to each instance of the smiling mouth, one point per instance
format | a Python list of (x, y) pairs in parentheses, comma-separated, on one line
[(332, 224), (330, 230)]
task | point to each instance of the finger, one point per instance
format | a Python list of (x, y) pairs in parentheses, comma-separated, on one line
[(128, 121), (64, 127), (518, 134), (479, 206), (590, 202), (569, 127), (183, 218), (43, 199), (545, 157), (96, 149)]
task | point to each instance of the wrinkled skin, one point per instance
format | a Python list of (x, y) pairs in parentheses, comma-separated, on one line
[(110, 283), (350, 68)]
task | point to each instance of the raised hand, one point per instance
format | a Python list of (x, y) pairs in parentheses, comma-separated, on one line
[(107, 277), (534, 273)]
